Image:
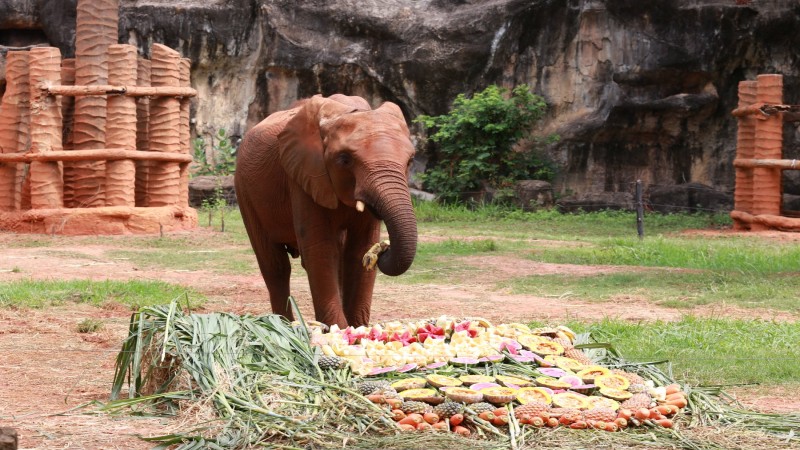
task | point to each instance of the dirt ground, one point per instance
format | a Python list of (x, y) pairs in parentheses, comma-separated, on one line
[(48, 369)]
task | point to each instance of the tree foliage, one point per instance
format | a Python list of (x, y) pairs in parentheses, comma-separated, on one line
[(475, 143)]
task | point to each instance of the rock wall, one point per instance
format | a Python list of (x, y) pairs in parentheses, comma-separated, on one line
[(637, 89)]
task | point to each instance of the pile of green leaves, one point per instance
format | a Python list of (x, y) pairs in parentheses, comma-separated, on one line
[(475, 143)]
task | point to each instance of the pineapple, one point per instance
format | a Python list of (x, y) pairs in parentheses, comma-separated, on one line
[(640, 400), (531, 409), (411, 406), (578, 355), (447, 409), (600, 414)]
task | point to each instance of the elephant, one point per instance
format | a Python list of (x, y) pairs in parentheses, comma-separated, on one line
[(315, 181)]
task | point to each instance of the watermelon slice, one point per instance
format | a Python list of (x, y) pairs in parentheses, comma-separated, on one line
[(553, 372), (466, 360), (382, 370), (435, 365), (492, 358), (406, 368)]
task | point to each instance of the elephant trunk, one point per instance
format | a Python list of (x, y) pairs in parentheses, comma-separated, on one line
[(392, 203)]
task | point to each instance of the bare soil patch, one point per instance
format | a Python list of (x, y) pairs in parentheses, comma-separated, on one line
[(48, 368)]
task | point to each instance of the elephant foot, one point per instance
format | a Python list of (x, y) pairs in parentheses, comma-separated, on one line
[(370, 259)]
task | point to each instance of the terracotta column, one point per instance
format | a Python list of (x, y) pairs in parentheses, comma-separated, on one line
[(46, 128), (745, 149), (768, 145), (67, 114), (165, 128), (142, 131), (14, 128), (121, 126), (96, 29), (186, 137)]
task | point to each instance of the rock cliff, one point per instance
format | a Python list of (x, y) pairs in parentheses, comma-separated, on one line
[(637, 89)]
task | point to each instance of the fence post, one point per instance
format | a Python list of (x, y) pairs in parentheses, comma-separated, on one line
[(639, 210), (14, 128), (768, 145), (121, 126), (47, 189), (142, 133), (745, 149), (96, 28), (165, 134), (186, 136)]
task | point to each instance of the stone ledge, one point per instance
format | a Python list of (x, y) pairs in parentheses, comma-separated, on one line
[(108, 220)]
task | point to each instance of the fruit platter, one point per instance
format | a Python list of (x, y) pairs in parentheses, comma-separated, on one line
[(467, 375)]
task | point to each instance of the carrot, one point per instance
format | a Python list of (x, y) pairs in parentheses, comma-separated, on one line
[(664, 409), (376, 398), (394, 403), (412, 419), (407, 427), (537, 422), (642, 413), (666, 423), (621, 423), (611, 426), (500, 412), (552, 422), (424, 426), (625, 413), (673, 388), (675, 396), (456, 419), (500, 421), (398, 415), (441, 426), (487, 416), (680, 403), (430, 417), (461, 430), (579, 425)]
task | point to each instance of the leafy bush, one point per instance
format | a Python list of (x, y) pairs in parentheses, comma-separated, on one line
[(220, 159), (476, 143)]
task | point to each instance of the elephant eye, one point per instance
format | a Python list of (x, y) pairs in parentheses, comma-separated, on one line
[(344, 159)]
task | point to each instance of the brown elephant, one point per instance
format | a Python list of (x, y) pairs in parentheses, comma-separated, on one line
[(304, 178)]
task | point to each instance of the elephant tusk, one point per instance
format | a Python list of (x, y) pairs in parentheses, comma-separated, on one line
[(360, 206)]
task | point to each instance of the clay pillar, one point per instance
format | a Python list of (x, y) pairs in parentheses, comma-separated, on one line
[(96, 29), (745, 149), (768, 145), (46, 128), (186, 137), (121, 126), (165, 128), (142, 131), (14, 128), (67, 114)]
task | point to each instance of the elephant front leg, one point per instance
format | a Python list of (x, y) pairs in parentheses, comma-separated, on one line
[(357, 282), (321, 262)]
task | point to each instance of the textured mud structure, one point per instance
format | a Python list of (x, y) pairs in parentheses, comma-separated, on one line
[(758, 157), (112, 161)]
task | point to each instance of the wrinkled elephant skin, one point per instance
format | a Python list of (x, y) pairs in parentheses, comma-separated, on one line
[(300, 174)]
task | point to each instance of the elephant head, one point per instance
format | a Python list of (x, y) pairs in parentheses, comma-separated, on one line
[(342, 153)]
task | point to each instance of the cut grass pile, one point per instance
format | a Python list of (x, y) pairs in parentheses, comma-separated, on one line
[(259, 376), (134, 294)]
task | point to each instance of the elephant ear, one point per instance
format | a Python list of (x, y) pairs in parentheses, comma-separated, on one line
[(302, 153), (394, 110)]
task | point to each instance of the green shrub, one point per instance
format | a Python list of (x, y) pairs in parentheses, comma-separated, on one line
[(476, 144), (219, 160)]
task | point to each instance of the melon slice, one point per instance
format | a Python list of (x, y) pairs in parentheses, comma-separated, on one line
[(469, 380), (603, 402), (570, 400), (548, 348), (530, 340), (422, 395), (499, 395), (506, 380), (589, 373), (615, 394), (409, 383), (552, 383), (463, 395), (612, 380), (535, 394), (442, 381), (568, 364)]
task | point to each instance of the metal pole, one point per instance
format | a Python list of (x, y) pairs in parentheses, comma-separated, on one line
[(639, 210)]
